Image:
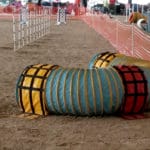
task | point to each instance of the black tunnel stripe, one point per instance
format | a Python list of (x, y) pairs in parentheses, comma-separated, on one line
[(21, 84), (135, 89), (31, 85), (145, 89), (30, 88), (40, 77)]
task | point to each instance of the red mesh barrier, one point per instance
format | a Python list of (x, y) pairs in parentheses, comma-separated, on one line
[(124, 39), (127, 39), (1, 9), (141, 44), (110, 30)]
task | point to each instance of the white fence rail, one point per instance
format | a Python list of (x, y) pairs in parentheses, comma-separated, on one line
[(30, 26)]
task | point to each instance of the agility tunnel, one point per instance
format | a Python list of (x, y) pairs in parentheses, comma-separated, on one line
[(50, 89), (107, 59), (30, 91), (135, 16), (69, 91)]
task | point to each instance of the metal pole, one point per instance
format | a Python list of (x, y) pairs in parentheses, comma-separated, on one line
[(117, 33), (42, 23), (45, 17), (39, 23), (126, 13), (30, 26), (137, 8), (142, 9), (34, 24), (27, 28), (132, 41), (49, 20), (148, 21), (14, 32), (19, 32)]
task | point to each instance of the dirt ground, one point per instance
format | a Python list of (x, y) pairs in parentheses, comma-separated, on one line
[(70, 45)]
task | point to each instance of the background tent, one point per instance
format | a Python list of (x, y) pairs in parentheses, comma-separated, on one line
[(123, 1), (141, 2)]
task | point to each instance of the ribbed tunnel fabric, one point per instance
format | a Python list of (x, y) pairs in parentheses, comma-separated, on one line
[(84, 91)]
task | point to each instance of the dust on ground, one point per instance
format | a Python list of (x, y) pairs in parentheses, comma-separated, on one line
[(70, 45)]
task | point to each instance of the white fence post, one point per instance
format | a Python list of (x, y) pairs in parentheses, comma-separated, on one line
[(29, 27), (132, 41), (117, 33), (19, 33), (30, 30), (14, 32)]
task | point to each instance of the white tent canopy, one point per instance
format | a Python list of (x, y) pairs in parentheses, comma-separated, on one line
[(123, 1), (141, 2), (71, 1)]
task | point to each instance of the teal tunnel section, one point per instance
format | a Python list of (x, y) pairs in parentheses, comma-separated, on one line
[(84, 91), (147, 75)]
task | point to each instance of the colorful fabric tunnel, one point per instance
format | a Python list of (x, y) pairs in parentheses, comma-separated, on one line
[(84, 91), (46, 89), (30, 89), (107, 59), (43, 89)]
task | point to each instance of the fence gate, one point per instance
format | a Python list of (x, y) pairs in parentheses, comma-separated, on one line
[(30, 26), (61, 16)]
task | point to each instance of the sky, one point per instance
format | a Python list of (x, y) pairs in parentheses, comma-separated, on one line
[(141, 2)]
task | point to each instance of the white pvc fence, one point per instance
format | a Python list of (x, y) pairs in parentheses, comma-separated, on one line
[(30, 26)]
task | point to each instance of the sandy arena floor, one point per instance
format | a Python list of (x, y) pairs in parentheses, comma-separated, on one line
[(70, 45)]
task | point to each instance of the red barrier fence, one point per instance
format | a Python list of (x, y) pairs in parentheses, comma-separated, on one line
[(127, 39)]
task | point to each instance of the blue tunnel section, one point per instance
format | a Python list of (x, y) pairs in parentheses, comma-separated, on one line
[(84, 91)]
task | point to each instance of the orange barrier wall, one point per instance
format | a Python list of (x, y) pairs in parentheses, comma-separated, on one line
[(127, 39)]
